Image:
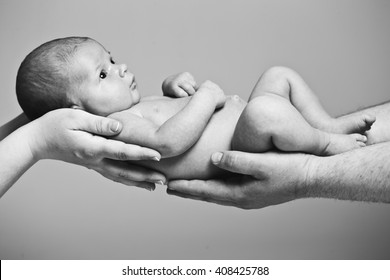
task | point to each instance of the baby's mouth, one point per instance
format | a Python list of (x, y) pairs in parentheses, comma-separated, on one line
[(133, 84)]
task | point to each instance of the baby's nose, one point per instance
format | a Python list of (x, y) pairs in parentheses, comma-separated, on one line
[(122, 70)]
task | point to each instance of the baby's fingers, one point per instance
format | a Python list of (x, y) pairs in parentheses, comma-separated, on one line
[(179, 92), (188, 88)]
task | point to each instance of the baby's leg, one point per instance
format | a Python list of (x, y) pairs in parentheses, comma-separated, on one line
[(271, 121), (287, 83)]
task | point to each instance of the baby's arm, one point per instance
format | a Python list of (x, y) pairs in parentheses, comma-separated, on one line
[(179, 85), (181, 131)]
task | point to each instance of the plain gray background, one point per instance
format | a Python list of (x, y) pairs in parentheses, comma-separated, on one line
[(61, 211)]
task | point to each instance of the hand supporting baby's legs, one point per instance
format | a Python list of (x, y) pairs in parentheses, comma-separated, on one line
[(288, 84), (271, 121)]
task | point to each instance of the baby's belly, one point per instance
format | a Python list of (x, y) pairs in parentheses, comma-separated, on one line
[(196, 163)]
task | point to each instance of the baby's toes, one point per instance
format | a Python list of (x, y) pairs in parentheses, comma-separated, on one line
[(360, 137), (361, 144), (360, 140)]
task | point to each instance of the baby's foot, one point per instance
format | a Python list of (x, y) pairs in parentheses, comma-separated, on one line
[(352, 124), (339, 143)]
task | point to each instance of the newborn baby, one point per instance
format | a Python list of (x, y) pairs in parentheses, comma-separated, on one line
[(282, 113)]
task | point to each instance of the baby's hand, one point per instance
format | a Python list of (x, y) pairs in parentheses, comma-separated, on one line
[(214, 89), (180, 85)]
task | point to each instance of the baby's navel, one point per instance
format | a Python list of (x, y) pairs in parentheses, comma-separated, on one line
[(236, 101), (235, 98)]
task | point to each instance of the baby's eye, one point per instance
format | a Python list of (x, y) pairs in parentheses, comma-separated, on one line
[(112, 60), (102, 74)]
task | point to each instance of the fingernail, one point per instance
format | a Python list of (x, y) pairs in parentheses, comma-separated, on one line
[(216, 157), (155, 159), (115, 126)]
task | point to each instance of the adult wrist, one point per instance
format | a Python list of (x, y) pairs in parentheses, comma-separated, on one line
[(310, 183), (35, 141)]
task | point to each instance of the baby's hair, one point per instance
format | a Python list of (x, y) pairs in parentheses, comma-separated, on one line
[(43, 78)]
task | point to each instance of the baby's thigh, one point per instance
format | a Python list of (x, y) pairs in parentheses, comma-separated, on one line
[(257, 124)]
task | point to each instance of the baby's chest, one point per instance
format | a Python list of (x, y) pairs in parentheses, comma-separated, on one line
[(159, 111)]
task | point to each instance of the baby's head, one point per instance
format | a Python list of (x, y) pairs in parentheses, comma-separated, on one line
[(74, 72)]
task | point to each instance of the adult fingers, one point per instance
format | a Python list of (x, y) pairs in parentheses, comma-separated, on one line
[(96, 124), (142, 185), (132, 173), (118, 150), (205, 199), (211, 190)]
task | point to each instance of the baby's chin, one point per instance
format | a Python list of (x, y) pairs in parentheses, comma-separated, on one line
[(136, 97)]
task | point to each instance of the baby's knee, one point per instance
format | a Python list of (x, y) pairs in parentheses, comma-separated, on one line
[(278, 71), (278, 74)]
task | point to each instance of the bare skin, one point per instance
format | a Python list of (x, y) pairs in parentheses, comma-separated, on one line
[(282, 114), (72, 136), (267, 179), (295, 119)]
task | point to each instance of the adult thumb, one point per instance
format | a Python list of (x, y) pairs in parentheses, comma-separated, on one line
[(234, 161), (100, 125)]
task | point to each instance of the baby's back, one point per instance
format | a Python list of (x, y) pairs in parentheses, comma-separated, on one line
[(217, 136)]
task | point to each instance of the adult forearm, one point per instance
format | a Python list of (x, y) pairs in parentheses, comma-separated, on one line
[(12, 125), (15, 158), (360, 175)]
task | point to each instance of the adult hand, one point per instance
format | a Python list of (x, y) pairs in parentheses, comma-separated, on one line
[(179, 85), (263, 180), (75, 136)]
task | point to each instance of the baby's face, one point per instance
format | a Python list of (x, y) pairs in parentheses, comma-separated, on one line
[(105, 87)]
